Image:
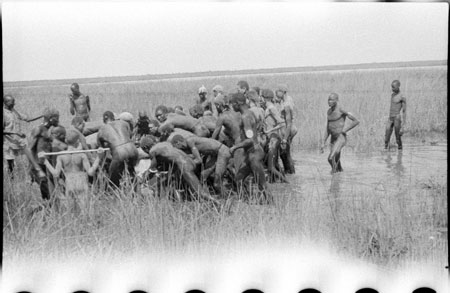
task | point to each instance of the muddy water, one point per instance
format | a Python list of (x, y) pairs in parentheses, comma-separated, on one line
[(411, 168)]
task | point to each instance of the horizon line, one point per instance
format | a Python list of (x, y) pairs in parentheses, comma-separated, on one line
[(156, 76)]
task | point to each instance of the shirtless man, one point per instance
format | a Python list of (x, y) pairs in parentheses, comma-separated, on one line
[(79, 103), (164, 152), (228, 119), (287, 113), (179, 121), (219, 152), (395, 120), (209, 120), (74, 167), (14, 141), (336, 129), (254, 154), (116, 135), (203, 100), (243, 87), (254, 102), (274, 130), (41, 141)]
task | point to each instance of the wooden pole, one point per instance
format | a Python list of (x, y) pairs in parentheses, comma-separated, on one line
[(73, 152)]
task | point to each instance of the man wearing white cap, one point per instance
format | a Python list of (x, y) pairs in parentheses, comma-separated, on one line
[(217, 92), (203, 100)]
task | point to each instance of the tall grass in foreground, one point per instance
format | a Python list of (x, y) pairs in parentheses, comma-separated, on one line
[(365, 93), (388, 227)]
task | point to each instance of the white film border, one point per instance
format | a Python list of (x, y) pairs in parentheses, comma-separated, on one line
[(278, 268)]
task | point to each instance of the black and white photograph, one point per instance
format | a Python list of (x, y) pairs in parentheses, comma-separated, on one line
[(224, 146)]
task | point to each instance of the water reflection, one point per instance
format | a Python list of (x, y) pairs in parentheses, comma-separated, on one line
[(335, 194), (368, 170), (397, 168)]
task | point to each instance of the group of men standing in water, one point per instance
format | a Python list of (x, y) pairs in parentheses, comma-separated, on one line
[(241, 133)]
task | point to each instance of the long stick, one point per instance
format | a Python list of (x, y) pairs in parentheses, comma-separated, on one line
[(73, 152)]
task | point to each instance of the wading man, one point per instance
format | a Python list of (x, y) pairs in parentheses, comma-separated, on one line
[(395, 120), (287, 113), (275, 128), (336, 129)]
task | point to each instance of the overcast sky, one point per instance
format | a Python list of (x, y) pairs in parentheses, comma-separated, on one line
[(73, 40)]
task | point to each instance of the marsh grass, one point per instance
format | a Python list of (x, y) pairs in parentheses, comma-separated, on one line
[(388, 227), (363, 92)]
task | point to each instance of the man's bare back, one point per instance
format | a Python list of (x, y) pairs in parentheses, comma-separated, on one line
[(204, 145), (186, 123), (115, 134)]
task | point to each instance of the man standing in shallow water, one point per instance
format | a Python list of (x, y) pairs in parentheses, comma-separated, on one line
[(337, 130), (395, 120)]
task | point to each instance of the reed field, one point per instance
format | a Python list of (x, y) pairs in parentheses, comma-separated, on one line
[(388, 228), (365, 93), (402, 224)]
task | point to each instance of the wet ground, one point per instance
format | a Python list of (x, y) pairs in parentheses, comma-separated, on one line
[(414, 167)]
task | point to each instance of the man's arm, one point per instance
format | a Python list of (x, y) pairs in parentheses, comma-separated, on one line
[(87, 166), (22, 135), (102, 143), (214, 109), (25, 117), (352, 125), (218, 128), (245, 143), (325, 137), (72, 105), (195, 152), (82, 139), (154, 163), (288, 118), (54, 171), (88, 103), (403, 101), (276, 115), (35, 134), (34, 119)]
